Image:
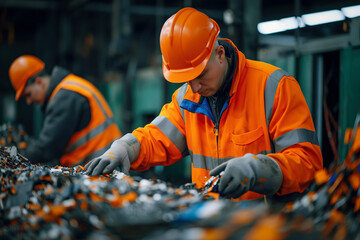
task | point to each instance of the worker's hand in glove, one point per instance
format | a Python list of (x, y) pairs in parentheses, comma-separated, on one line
[(120, 154), (258, 173)]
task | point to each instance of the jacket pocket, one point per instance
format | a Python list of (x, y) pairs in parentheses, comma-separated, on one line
[(249, 142), (248, 137)]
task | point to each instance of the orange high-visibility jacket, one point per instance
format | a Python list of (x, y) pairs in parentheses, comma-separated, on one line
[(267, 113), (97, 136)]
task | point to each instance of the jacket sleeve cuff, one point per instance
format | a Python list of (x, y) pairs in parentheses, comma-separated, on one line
[(276, 173), (134, 146)]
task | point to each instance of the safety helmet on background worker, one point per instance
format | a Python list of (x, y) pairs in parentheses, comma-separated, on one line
[(186, 42), (23, 68)]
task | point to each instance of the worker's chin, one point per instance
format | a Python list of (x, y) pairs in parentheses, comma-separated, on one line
[(207, 94)]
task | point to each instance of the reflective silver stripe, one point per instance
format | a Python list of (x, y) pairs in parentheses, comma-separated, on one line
[(270, 90), (175, 136), (295, 136), (97, 130), (90, 91), (209, 163), (95, 154), (93, 133), (180, 98), (269, 96)]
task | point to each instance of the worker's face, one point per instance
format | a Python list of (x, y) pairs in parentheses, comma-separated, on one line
[(35, 92), (211, 79)]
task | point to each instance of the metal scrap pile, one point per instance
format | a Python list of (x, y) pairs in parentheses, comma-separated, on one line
[(50, 203), (330, 210), (13, 135), (39, 202)]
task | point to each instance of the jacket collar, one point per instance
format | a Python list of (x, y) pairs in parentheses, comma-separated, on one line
[(195, 97), (57, 75)]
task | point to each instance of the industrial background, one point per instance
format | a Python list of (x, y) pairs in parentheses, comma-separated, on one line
[(115, 45)]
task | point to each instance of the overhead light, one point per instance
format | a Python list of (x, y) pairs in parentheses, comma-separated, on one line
[(229, 16), (310, 19), (313, 19), (292, 22), (281, 25), (351, 12), (270, 27)]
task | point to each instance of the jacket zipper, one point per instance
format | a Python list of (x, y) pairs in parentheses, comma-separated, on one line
[(216, 131)]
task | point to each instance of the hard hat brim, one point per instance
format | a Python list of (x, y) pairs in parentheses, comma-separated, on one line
[(184, 75), (20, 92)]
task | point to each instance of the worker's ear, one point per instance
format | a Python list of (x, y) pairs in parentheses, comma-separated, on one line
[(220, 53), (40, 81)]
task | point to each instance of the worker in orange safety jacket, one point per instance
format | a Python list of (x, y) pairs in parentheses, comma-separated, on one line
[(243, 119), (78, 123)]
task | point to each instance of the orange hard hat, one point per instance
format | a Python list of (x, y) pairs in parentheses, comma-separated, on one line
[(21, 70), (186, 42)]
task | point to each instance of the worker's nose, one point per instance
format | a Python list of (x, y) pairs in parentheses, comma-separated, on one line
[(194, 85)]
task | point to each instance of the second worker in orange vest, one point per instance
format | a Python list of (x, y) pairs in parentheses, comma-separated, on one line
[(245, 118), (78, 122)]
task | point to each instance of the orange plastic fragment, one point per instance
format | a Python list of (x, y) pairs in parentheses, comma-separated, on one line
[(98, 178), (219, 234), (22, 145), (357, 204), (49, 190), (337, 216), (96, 198), (34, 207), (188, 196), (213, 195), (178, 191), (335, 197), (289, 206), (322, 176), (80, 196), (57, 210), (46, 178), (354, 179), (119, 200), (356, 144), (268, 227), (82, 168), (13, 190), (311, 195), (348, 133), (40, 213), (84, 205), (40, 186)]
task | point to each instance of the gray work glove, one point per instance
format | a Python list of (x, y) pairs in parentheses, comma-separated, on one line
[(121, 154), (257, 173)]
